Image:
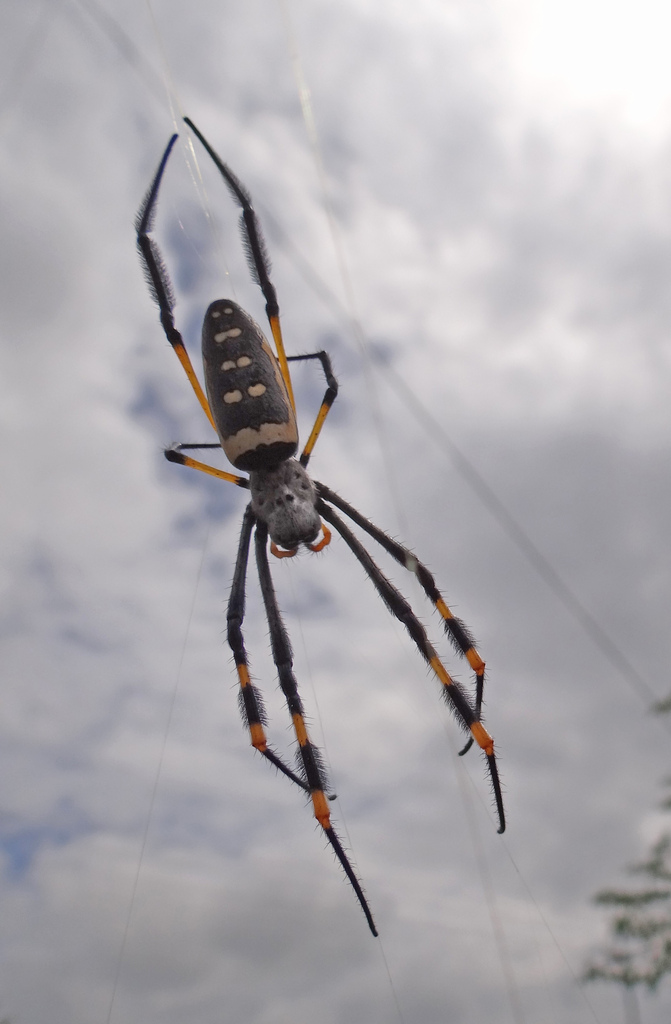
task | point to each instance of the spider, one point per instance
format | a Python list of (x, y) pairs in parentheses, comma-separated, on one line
[(250, 404)]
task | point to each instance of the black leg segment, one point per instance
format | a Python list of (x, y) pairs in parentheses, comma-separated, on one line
[(309, 755), (251, 702), (399, 607), (457, 632)]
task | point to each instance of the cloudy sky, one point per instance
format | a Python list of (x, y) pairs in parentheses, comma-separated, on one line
[(481, 237)]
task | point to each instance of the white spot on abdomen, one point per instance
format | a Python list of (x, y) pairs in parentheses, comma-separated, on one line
[(230, 397), (256, 390), (234, 332)]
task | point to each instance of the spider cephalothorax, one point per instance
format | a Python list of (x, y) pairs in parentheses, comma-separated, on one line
[(250, 404), (285, 499)]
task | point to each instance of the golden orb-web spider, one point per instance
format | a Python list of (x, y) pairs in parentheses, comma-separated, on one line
[(250, 405)]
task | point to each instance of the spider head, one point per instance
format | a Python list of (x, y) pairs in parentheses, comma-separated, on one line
[(284, 499)]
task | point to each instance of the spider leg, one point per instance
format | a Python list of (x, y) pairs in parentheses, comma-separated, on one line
[(310, 757), (251, 702), (455, 629), (257, 254), (159, 282), (327, 401), (400, 608), (174, 454)]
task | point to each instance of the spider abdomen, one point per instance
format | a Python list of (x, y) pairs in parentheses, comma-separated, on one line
[(247, 394)]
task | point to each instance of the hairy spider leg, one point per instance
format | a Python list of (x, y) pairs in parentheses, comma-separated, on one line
[(256, 251), (161, 288), (251, 702), (159, 281), (329, 398), (310, 756), (457, 632), (400, 608)]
